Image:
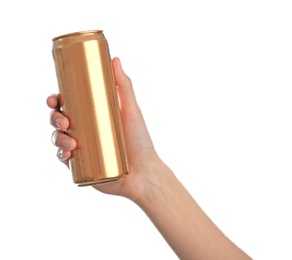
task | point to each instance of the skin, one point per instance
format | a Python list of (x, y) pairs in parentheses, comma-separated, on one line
[(151, 184)]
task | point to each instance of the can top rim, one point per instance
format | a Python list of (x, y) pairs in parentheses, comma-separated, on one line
[(76, 33)]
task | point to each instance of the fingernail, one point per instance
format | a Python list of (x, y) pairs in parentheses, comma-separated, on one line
[(66, 143), (60, 153), (58, 122)]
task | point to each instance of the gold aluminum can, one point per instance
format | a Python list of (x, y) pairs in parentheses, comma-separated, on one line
[(88, 98)]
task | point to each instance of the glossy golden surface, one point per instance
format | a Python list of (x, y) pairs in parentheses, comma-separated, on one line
[(88, 98)]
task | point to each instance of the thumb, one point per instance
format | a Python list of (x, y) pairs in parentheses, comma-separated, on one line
[(124, 86)]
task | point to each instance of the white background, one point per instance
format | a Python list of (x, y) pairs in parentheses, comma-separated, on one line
[(213, 79)]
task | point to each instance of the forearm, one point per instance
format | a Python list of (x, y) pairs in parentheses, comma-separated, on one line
[(183, 224)]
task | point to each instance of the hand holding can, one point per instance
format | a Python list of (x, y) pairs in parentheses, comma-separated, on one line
[(89, 100)]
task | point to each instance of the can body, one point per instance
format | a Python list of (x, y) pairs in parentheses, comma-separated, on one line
[(88, 98)]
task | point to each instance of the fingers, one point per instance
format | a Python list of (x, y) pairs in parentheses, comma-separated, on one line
[(59, 121), (63, 141)]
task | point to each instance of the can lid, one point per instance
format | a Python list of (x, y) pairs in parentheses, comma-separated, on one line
[(76, 33)]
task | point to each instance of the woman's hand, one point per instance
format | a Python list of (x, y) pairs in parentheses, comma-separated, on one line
[(142, 157)]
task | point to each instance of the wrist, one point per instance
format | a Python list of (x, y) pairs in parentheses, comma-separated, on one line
[(156, 178)]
